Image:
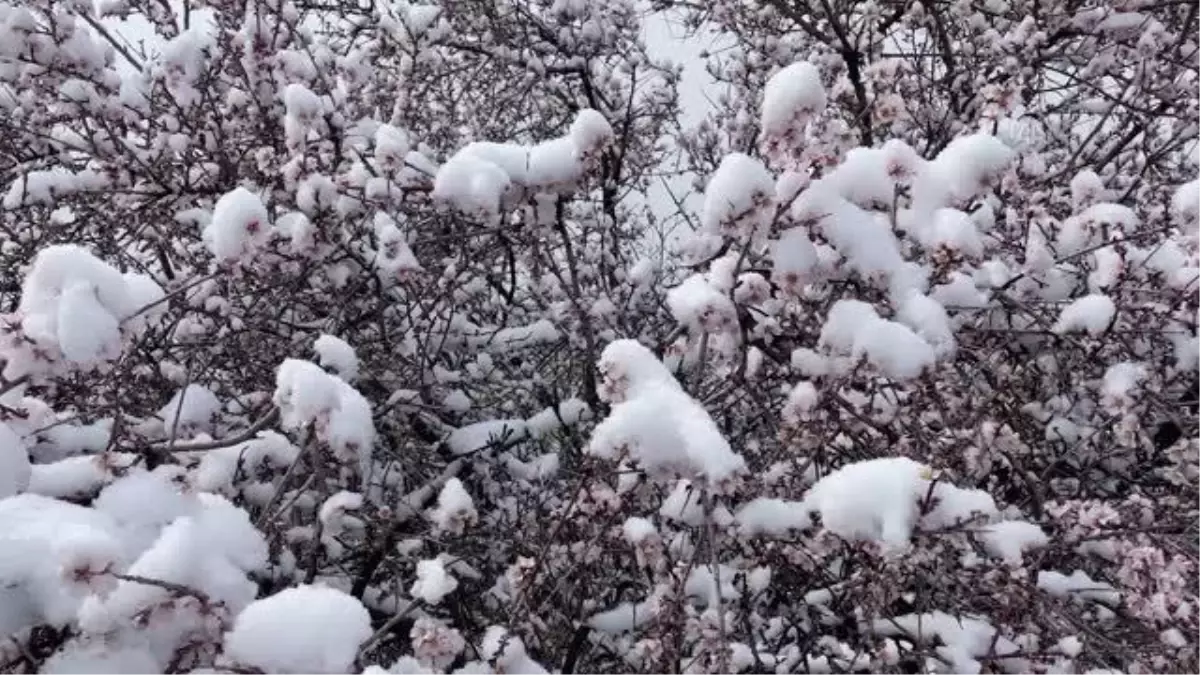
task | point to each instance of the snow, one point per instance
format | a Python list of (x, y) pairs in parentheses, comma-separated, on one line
[(334, 352), (1173, 637), (192, 409), (297, 229), (240, 225), (1120, 382), (455, 508), (507, 651), (793, 260), (823, 234), (696, 304), (702, 584), (928, 319), (542, 467), (84, 656), (73, 303), (638, 530), (801, 399), (315, 193), (955, 505), (472, 184), (48, 187), (569, 412), (86, 330), (391, 147), (554, 161), (433, 582), (963, 638), (1009, 539), (80, 476), (511, 158), (1077, 585), (144, 503), (737, 197), (1086, 189), (1185, 203), (475, 437), (864, 238), (335, 518), (306, 394), (893, 349), (790, 98), (516, 337), (683, 505), (306, 629), (962, 170), (954, 230), (507, 433), (300, 102), (875, 499), (43, 542), (959, 292), (1071, 646), (394, 259), (218, 468), (655, 420), (853, 328), (863, 178), (480, 178), (15, 469), (771, 516), (879, 500), (415, 20), (590, 130), (1116, 217), (845, 321), (624, 617), (1109, 265), (212, 551), (1121, 22), (1092, 313)]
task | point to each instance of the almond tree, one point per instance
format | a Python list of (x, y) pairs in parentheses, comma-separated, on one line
[(357, 337)]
